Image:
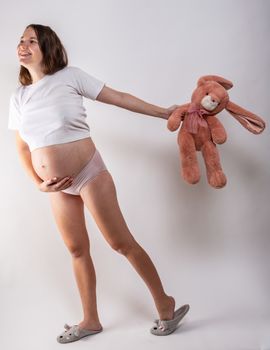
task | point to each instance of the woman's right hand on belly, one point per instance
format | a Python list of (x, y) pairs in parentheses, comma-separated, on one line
[(55, 184)]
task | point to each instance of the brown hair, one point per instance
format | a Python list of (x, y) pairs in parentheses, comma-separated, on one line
[(54, 53)]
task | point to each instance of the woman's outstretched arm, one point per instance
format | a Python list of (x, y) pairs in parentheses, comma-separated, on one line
[(132, 103)]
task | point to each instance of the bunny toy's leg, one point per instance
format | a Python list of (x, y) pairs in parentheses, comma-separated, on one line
[(190, 167), (215, 175)]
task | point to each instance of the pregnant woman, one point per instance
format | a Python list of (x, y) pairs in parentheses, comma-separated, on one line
[(56, 150)]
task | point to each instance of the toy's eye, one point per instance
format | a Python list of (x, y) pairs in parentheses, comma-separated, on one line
[(207, 93)]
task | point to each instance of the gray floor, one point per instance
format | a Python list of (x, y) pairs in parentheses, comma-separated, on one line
[(31, 318)]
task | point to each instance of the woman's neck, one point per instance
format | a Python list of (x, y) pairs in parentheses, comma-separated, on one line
[(36, 74)]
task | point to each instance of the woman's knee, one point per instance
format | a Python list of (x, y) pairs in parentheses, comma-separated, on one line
[(123, 247), (78, 249)]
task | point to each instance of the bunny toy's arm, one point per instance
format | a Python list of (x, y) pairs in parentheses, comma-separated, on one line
[(177, 116), (217, 130)]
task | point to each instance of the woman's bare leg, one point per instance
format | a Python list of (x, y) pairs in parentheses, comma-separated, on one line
[(68, 211), (99, 196)]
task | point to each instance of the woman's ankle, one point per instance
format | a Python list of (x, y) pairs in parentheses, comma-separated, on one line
[(90, 324), (166, 308)]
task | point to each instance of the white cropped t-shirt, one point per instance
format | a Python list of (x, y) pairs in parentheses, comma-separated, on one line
[(51, 110)]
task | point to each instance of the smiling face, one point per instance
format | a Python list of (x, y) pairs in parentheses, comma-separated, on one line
[(28, 50)]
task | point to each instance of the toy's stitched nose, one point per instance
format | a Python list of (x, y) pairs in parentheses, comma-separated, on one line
[(209, 103), (214, 99)]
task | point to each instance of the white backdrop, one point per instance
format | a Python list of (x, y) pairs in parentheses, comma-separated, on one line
[(211, 247)]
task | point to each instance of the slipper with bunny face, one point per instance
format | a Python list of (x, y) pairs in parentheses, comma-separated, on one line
[(74, 333), (166, 327)]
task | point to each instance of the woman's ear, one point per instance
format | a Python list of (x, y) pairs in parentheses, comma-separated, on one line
[(227, 84), (250, 121)]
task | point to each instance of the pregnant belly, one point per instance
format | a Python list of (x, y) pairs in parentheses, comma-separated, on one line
[(66, 159)]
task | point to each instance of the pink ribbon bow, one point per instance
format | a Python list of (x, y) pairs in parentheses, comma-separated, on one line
[(194, 118)]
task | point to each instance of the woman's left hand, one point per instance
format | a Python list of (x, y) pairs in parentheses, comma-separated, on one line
[(171, 109)]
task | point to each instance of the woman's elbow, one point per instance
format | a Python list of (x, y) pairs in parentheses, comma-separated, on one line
[(21, 144)]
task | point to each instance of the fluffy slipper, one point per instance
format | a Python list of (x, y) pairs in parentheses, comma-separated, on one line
[(166, 327), (74, 333)]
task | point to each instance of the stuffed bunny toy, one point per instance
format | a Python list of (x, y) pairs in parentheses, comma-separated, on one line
[(201, 130)]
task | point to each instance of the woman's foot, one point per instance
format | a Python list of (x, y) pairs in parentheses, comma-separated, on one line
[(75, 333), (166, 327), (166, 309)]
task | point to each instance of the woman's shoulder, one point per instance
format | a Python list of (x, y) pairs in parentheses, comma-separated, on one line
[(16, 92), (75, 74), (69, 72), (70, 69), (15, 95)]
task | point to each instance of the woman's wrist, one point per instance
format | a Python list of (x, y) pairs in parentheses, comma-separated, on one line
[(165, 113), (162, 113)]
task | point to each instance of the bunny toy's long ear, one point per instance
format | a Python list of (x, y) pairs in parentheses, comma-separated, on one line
[(177, 116), (227, 84), (249, 120)]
